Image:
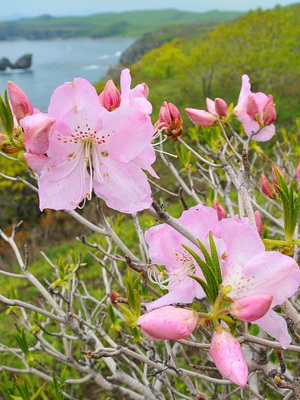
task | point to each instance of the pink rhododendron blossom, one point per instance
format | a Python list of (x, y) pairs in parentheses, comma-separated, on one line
[(91, 148), (256, 111), (168, 323), (250, 270), (20, 103), (165, 248), (227, 354), (245, 265), (251, 308), (216, 109)]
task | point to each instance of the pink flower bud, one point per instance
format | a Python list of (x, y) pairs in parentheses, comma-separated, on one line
[(37, 129), (251, 308), (168, 323), (252, 108), (258, 220), (267, 189), (110, 97), (113, 296), (274, 177), (20, 103), (269, 111), (227, 354), (200, 117), (298, 172), (170, 116), (221, 107), (220, 210)]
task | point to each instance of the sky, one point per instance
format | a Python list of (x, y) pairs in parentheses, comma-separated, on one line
[(87, 7)]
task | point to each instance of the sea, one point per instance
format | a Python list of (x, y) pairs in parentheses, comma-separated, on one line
[(59, 61)]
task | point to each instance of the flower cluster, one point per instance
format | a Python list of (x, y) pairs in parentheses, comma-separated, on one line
[(254, 281), (90, 143)]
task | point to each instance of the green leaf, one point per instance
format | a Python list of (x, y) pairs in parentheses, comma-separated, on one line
[(35, 396), (22, 342), (215, 258), (211, 279), (205, 288), (6, 116)]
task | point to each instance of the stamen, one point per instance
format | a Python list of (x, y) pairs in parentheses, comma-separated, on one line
[(174, 279)]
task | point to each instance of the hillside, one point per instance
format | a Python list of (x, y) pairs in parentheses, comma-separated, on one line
[(125, 24)]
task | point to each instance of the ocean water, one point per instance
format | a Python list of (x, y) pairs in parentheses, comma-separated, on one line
[(58, 61)]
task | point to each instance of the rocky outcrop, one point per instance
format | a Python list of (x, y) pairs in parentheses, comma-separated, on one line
[(23, 62), (4, 63), (142, 46)]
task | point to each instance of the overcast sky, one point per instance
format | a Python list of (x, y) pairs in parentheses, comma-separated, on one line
[(86, 7)]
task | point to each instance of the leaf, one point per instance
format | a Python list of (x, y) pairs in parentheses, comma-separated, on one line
[(215, 258), (205, 288), (35, 396)]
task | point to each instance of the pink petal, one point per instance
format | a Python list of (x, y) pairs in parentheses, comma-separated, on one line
[(242, 240), (145, 159), (200, 220), (200, 117), (76, 106), (125, 186), (131, 132), (36, 162), (138, 100), (210, 105), (276, 327), (184, 292), (125, 82), (64, 186), (267, 273), (245, 90), (37, 129)]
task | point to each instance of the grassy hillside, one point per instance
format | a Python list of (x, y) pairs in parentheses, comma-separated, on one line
[(133, 24)]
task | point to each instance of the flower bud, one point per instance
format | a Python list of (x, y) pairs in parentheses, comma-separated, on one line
[(298, 172), (227, 354), (259, 223), (20, 103), (252, 108), (221, 107), (200, 117), (251, 308), (113, 296), (220, 210), (267, 189), (168, 323), (269, 111), (110, 97), (274, 177), (170, 116), (37, 129)]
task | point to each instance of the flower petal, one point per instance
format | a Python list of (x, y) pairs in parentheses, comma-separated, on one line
[(76, 106), (36, 162), (275, 326), (64, 186), (125, 186), (145, 159), (131, 132)]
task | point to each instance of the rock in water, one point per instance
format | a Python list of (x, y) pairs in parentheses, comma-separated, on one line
[(23, 62), (4, 63)]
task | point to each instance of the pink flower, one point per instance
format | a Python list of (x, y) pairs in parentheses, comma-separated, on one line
[(251, 308), (168, 323), (216, 109), (256, 111), (250, 270), (20, 103), (92, 148), (227, 354), (165, 248), (247, 269)]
